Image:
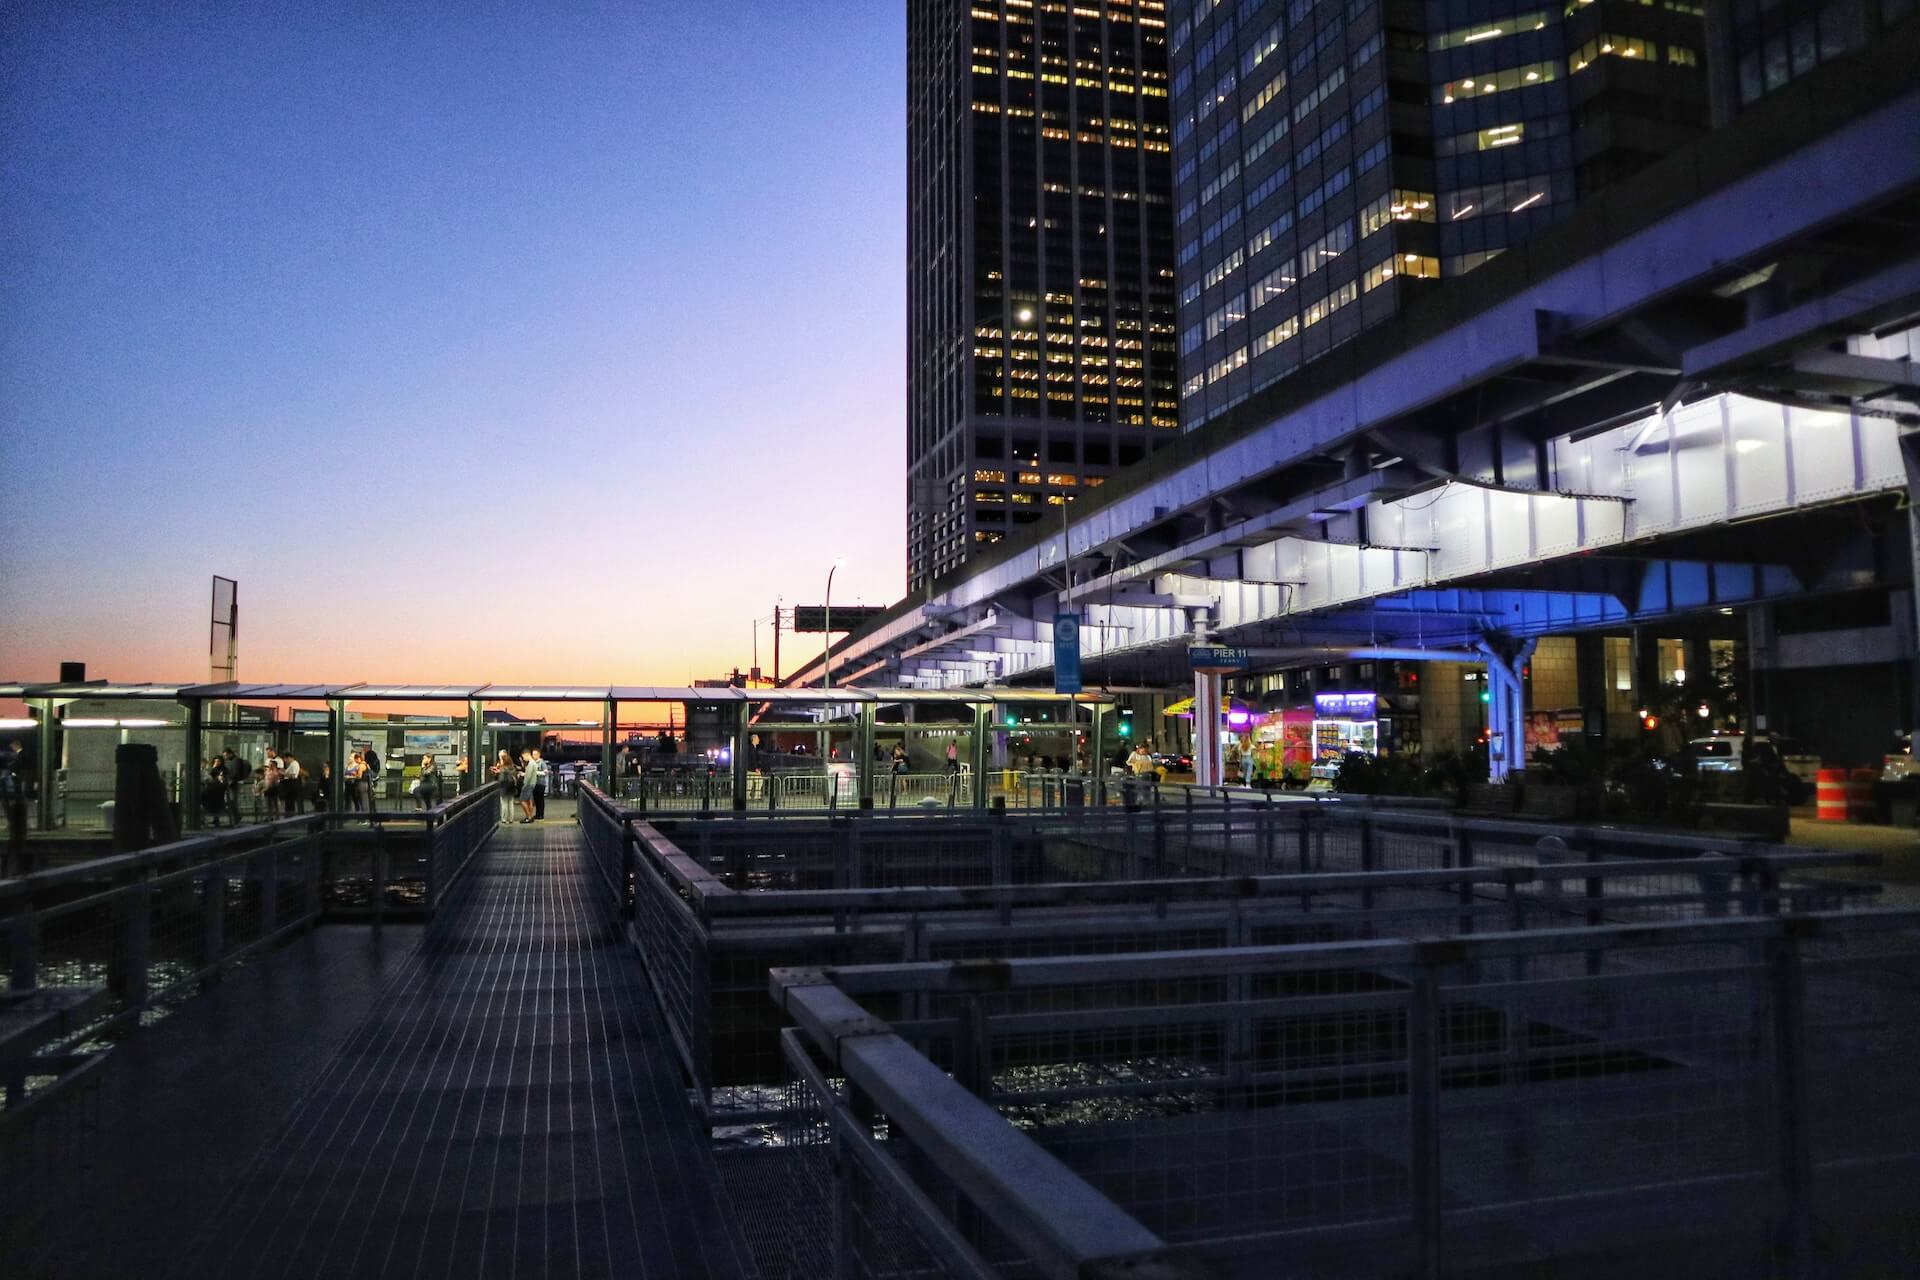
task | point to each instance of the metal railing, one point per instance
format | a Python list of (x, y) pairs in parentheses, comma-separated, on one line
[(715, 905), (1371, 1107)]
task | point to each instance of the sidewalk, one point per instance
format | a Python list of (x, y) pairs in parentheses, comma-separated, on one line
[(1898, 847)]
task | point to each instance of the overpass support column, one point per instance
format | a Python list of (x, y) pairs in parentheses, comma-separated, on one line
[(1206, 728), (1506, 708), (863, 745), (977, 754), (1910, 451)]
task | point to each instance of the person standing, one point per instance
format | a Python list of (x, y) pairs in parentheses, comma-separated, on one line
[(529, 781), (539, 770), (13, 795), (509, 779), (233, 771), (213, 790), (426, 789), (268, 787), (356, 782), (323, 787), (370, 779), (953, 755), (293, 787)]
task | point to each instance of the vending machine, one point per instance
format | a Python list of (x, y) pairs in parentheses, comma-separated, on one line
[(1343, 722)]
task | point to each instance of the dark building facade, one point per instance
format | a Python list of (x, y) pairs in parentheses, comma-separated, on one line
[(1333, 157), (1040, 296), (1758, 47)]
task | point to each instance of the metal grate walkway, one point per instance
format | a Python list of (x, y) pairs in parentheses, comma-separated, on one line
[(512, 1107)]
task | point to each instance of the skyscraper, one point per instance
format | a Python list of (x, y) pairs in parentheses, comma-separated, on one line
[(1335, 157), (1758, 47), (1040, 307)]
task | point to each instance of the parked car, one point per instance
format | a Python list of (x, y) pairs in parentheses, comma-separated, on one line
[(1898, 765), (1726, 753), (1174, 761)]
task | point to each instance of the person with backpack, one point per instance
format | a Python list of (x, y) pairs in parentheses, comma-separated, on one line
[(509, 779)]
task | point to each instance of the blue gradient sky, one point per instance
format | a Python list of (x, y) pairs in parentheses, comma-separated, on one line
[(480, 342)]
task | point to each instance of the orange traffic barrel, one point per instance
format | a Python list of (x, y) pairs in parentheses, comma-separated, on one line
[(1830, 795), (1860, 802)]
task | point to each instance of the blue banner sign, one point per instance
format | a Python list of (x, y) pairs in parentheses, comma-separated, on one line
[(1066, 653), (1203, 657)]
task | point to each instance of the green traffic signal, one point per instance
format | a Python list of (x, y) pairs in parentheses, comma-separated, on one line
[(1126, 728), (1486, 696)]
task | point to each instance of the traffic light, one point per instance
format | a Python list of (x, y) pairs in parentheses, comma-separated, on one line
[(1126, 728), (1486, 695)]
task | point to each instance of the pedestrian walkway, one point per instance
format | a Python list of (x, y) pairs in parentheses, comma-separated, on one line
[(510, 1107)]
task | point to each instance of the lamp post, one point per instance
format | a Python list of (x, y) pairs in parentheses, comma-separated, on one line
[(826, 621)]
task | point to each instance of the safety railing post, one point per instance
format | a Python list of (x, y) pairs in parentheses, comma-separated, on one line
[(1001, 840), (1794, 1138), (379, 872), (213, 906), (1423, 1114), (973, 1049), (842, 852), (1159, 844), (269, 890), (1463, 860), (127, 974), (22, 961), (1369, 857)]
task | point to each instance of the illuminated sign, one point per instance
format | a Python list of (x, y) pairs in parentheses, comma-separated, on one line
[(1347, 706)]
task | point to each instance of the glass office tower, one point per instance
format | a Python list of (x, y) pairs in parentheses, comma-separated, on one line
[(1333, 158), (1040, 308)]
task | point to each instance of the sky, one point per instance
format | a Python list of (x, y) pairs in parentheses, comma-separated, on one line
[(478, 342)]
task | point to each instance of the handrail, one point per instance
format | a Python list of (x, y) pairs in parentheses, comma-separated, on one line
[(1025, 972), (116, 864)]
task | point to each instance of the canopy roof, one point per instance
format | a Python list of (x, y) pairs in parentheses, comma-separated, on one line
[(232, 691)]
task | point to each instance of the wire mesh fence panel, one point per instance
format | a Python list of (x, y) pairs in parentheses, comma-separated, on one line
[(1862, 1039), (1563, 1087)]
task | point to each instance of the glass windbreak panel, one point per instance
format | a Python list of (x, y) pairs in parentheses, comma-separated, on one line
[(405, 761), (84, 776)]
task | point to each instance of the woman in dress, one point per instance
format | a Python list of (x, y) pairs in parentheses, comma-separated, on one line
[(529, 783)]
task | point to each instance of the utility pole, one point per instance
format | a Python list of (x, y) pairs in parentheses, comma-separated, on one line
[(776, 643)]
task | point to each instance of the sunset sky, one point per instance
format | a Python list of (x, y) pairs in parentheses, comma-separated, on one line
[(479, 342)]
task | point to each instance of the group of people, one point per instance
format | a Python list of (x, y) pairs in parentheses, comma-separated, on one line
[(523, 785), (281, 784)]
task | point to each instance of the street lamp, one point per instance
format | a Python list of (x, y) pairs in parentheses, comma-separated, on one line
[(826, 620)]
